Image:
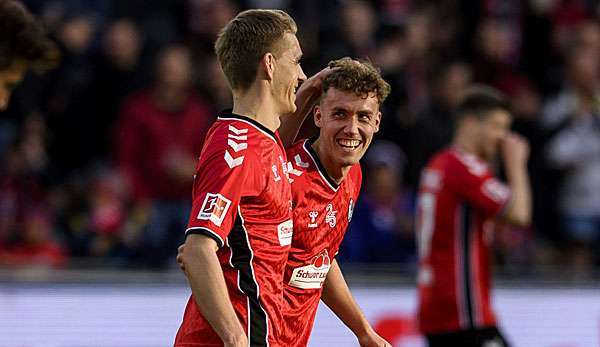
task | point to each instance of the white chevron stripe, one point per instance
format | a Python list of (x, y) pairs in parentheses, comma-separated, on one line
[(237, 131), (237, 146), (291, 169), (241, 138), (299, 162), (231, 161)]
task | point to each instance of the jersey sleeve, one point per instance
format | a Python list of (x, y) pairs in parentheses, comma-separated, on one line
[(474, 183), (223, 177)]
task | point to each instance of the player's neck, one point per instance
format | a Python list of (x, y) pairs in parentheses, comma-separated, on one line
[(255, 103), (465, 143), (335, 172)]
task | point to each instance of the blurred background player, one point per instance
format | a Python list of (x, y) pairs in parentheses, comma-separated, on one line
[(458, 202), (238, 248), (23, 45), (327, 177)]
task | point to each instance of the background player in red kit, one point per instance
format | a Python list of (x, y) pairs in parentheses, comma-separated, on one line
[(23, 45), (326, 178), (458, 200), (240, 226)]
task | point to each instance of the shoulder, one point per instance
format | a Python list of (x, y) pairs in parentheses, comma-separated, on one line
[(465, 163)]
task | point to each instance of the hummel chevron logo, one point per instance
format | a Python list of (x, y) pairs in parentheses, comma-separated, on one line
[(241, 138), (299, 162), (237, 131), (291, 169), (231, 161), (237, 146)]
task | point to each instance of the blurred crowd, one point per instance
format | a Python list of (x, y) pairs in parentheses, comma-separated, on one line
[(98, 155)]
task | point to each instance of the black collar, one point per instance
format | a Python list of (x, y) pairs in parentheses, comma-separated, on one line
[(227, 114), (308, 147)]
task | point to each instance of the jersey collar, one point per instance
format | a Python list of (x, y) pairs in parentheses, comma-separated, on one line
[(313, 155), (228, 114)]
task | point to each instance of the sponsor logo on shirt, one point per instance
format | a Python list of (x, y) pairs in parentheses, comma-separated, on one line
[(285, 231), (214, 208), (330, 216), (312, 275), (313, 219)]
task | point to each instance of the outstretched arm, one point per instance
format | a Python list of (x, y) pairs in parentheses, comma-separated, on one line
[(336, 295)]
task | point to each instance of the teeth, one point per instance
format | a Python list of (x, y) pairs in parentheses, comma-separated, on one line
[(349, 143)]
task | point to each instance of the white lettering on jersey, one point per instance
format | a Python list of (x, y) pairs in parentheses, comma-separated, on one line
[(313, 219), (231, 162), (330, 216), (313, 275), (214, 208), (285, 231), (300, 163)]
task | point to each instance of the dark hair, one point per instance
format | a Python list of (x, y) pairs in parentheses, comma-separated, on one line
[(360, 77), (22, 38), (479, 100)]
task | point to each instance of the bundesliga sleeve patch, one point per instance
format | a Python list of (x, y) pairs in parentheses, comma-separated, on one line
[(214, 208)]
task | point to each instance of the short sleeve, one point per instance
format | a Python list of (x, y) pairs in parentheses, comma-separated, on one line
[(473, 182), (222, 178)]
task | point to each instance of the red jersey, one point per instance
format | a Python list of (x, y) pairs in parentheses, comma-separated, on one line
[(322, 211), (458, 199), (242, 199)]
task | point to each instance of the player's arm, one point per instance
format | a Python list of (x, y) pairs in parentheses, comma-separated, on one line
[(206, 279), (306, 97), (515, 152), (336, 295)]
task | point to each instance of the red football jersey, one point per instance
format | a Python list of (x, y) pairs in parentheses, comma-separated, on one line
[(458, 199), (242, 199), (322, 211)]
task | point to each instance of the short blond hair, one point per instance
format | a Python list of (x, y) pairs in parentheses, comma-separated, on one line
[(243, 42), (359, 77)]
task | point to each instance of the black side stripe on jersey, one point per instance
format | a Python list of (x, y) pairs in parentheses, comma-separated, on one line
[(207, 232), (241, 259), (466, 231)]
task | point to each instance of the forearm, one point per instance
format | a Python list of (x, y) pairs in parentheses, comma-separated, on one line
[(305, 100), (206, 279), (336, 295), (520, 205)]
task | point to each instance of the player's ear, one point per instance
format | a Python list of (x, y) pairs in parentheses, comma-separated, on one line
[(268, 65), (318, 116), (377, 121)]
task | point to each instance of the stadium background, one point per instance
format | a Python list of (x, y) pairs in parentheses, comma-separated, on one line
[(97, 158)]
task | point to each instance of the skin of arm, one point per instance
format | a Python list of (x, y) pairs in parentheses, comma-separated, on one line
[(516, 152), (336, 295), (306, 97), (204, 273)]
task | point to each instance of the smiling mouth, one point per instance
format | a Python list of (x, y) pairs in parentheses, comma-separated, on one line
[(349, 144)]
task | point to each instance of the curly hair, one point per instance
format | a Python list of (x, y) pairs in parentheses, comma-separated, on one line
[(22, 38), (360, 77)]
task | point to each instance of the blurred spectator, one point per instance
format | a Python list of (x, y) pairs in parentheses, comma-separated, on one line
[(573, 119), (69, 99), (382, 224), (119, 71), (160, 134), (435, 123)]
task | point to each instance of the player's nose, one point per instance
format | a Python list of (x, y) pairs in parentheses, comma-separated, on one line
[(351, 126)]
